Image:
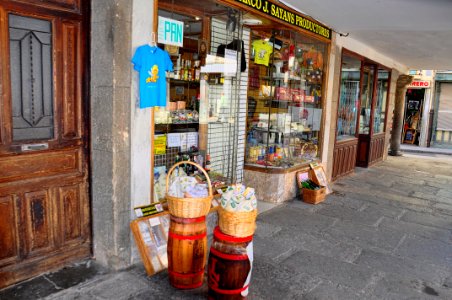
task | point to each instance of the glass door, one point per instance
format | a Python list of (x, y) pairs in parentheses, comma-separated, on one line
[(366, 99)]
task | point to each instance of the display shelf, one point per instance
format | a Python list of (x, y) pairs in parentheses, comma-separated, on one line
[(181, 81), (287, 103)]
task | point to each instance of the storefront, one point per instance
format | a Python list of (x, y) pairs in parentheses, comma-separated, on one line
[(416, 113), (261, 121), (69, 191), (362, 114)]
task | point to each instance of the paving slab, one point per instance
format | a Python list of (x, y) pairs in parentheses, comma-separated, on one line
[(428, 219), (344, 213), (320, 243), (332, 291), (417, 229), (366, 237), (291, 217), (343, 273), (406, 267), (278, 282), (429, 250), (392, 286)]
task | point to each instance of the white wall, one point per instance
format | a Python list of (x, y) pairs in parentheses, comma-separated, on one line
[(142, 24), (362, 49)]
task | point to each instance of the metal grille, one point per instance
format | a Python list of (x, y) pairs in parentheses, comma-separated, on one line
[(30, 44), (347, 108), (226, 137), (445, 108)]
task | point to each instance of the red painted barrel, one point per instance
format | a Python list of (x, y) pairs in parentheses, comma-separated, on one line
[(229, 267), (187, 252)]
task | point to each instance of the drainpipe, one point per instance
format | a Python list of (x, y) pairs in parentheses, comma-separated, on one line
[(402, 83)]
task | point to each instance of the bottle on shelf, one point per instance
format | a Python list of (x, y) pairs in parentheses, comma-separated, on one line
[(186, 70), (181, 70), (208, 163), (197, 71), (193, 72)]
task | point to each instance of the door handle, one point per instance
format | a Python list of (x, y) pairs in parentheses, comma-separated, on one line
[(34, 147)]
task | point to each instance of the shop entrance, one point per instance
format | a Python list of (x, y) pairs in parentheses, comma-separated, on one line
[(44, 203), (414, 102), (361, 115)]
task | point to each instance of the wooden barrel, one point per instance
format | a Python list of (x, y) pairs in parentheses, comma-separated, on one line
[(229, 267), (187, 252)]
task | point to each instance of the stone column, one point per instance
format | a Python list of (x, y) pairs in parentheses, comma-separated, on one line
[(110, 131), (397, 124)]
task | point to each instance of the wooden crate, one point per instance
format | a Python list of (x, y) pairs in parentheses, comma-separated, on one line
[(314, 196)]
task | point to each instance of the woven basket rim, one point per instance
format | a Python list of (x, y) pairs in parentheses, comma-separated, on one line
[(222, 210), (172, 198)]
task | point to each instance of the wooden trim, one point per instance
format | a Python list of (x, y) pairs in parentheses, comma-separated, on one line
[(43, 9), (358, 119), (387, 101), (346, 141), (326, 72), (5, 101), (183, 10), (240, 6), (374, 99), (338, 100)]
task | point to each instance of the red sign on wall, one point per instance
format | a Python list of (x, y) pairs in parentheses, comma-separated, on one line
[(420, 84)]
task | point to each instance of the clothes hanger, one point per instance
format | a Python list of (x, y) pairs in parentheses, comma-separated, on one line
[(152, 43)]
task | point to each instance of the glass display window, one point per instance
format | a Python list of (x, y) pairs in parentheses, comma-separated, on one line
[(285, 86), (382, 96), (367, 90), (349, 97)]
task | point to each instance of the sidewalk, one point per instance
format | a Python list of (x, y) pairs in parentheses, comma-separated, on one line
[(426, 150), (385, 233)]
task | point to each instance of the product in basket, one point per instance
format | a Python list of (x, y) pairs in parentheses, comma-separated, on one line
[(187, 187), (239, 198)]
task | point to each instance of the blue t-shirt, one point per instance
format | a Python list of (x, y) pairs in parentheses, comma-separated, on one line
[(152, 63)]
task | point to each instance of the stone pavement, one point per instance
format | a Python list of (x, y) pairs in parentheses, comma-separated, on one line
[(385, 233), (406, 148)]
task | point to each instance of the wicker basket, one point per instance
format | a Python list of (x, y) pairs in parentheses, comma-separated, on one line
[(189, 207), (238, 224)]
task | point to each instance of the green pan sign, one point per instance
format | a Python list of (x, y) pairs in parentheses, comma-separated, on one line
[(286, 16)]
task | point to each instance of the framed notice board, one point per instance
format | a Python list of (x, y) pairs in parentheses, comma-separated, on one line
[(151, 236)]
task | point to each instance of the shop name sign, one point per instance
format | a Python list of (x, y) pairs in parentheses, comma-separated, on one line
[(289, 17), (170, 32), (420, 83)]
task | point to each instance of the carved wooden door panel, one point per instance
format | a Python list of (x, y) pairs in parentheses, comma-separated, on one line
[(44, 203)]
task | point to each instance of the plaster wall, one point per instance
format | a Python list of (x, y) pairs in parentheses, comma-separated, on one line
[(362, 49)]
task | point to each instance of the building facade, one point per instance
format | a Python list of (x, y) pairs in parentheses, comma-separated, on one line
[(75, 147)]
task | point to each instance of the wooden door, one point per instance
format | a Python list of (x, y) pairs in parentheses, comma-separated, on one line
[(44, 203)]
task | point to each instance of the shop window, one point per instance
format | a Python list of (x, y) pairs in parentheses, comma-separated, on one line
[(349, 97), (285, 98), (366, 99), (380, 105), (205, 115)]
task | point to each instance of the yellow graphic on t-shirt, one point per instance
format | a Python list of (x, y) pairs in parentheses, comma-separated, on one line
[(153, 74)]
